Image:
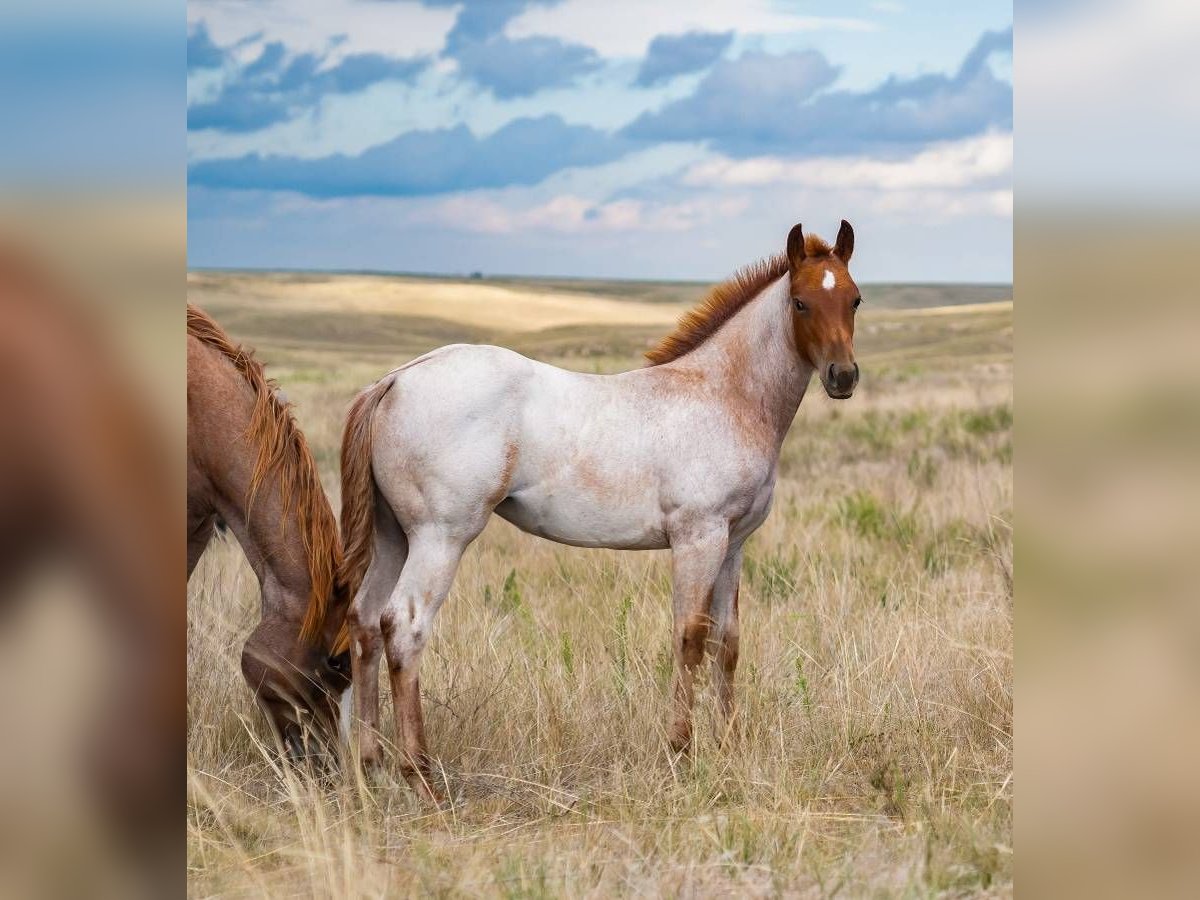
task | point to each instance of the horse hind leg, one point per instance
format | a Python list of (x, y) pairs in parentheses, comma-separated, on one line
[(407, 620), (366, 637)]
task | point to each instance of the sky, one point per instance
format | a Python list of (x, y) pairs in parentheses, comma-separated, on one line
[(618, 139)]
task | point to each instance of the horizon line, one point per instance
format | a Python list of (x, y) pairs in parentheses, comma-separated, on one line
[(479, 275)]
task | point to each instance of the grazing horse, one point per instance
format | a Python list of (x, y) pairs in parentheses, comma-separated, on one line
[(250, 468), (681, 453)]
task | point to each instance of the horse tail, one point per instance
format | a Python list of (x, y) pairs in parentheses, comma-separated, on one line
[(358, 493)]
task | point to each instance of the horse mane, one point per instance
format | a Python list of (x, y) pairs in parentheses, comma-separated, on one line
[(283, 452), (723, 302)]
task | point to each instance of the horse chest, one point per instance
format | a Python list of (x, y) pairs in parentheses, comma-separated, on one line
[(755, 513), (740, 496)]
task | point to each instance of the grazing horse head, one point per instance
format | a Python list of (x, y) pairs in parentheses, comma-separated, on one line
[(824, 299), (298, 689)]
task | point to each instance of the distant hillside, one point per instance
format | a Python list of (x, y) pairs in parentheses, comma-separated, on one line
[(881, 295), (916, 296)]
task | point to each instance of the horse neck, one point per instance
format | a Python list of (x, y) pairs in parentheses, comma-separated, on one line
[(270, 535), (272, 541), (752, 360)]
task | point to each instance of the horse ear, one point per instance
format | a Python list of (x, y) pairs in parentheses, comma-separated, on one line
[(844, 248), (795, 244)]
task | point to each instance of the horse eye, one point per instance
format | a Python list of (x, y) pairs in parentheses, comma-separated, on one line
[(800, 307), (857, 302)]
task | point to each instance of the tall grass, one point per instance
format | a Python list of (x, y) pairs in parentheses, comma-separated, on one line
[(875, 688)]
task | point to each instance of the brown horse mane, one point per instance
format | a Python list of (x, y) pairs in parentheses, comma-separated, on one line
[(283, 451), (723, 302)]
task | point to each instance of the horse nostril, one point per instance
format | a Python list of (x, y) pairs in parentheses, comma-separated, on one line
[(846, 379), (831, 375)]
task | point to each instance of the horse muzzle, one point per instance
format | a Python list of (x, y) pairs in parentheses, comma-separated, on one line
[(840, 380)]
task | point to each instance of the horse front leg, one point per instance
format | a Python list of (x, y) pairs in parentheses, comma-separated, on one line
[(696, 559), (726, 635)]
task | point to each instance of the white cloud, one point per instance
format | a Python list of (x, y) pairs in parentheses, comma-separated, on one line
[(624, 28), (951, 180), (394, 29), (939, 204), (945, 165)]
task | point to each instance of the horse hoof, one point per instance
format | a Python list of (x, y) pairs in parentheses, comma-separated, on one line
[(428, 795)]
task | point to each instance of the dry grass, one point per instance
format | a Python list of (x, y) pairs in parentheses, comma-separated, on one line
[(875, 682)]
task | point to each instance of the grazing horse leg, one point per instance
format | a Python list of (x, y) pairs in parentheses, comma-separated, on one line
[(696, 559), (407, 620), (366, 637), (725, 638)]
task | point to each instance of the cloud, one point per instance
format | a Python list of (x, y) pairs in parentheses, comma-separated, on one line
[(505, 66), (405, 28), (571, 214), (971, 177), (238, 110), (956, 164), (523, 67), (269, 59), (990, 43), (523, 152), (949, 180), (750, 99), (275, 87), (202, 53), (761, 104), (925, 206), (626, 28), (677, 54), (479, 20)]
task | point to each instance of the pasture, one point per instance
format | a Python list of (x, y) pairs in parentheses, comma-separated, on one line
[(875, 684)]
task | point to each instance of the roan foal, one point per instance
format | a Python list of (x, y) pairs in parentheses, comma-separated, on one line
[(679, 454)]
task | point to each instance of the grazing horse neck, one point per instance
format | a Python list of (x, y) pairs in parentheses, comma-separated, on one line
[(271, 541), (270, 538), (752, 363), (270, 532)]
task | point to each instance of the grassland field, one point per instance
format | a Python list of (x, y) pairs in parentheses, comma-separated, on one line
[(875, 683)]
